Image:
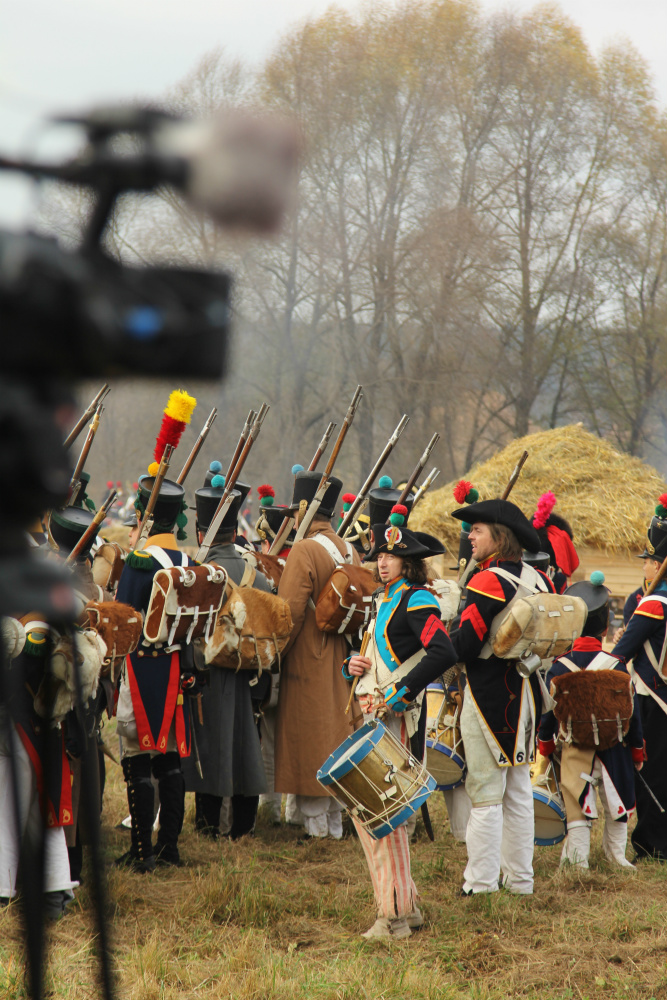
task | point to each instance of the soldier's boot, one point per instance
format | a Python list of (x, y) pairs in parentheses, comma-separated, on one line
[(207, 814), (171, 788), (244, 815), (140, 797), (577, 846)]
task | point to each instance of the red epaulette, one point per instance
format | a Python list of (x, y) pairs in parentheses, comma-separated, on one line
[(651, 608), (488, 584)]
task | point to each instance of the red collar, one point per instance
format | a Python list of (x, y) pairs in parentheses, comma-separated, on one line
[(487, 562), (587, 644)]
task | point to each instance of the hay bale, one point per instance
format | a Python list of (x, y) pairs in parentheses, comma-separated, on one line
[(607, 496)]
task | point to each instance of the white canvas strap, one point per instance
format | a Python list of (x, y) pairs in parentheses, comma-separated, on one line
[(163, 558)]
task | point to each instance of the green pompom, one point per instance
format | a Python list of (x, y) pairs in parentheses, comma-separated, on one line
[(661, 511), (472, 496), (385, 483), (397, 520), (597, 578), (266, 501), (466, 527)]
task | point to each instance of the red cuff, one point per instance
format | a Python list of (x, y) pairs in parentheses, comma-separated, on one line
[(546, 747), (639, 754)]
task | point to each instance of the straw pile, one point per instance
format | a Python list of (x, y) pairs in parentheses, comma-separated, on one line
[(607, 496)]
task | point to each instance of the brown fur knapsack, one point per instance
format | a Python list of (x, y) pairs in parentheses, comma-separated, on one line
[(593, 706)]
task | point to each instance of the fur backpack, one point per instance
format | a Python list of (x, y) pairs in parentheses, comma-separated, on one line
[(251, 631), (345, 602), (119, 625), (56, 694), (184, 603), (593, 706)]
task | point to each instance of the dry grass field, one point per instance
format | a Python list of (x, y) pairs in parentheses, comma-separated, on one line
[(267, 918)]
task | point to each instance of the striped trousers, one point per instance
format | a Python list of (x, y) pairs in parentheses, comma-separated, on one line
[(389, 859)]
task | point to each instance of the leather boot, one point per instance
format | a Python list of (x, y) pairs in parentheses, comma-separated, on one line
[(244, 815), (207, 814), (140, 797), (171, 788)]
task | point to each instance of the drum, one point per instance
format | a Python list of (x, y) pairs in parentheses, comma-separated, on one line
[(445, 756), (550, 824), (376, 779)]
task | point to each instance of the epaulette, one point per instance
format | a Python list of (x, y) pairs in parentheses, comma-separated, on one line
[(422, 599), (651, 608), (488, 584), (139, 560), (36, 636)]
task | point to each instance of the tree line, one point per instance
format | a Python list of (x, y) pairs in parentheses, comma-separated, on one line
[(480, 237)]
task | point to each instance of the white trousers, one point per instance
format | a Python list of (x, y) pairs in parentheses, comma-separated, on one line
[(459, 808), (501, 829), (56, 858), (267, 728), (322, 815)]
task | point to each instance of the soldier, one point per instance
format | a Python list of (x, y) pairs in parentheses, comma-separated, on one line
[(153, 716), (227, 739), (644, 642), (500, 707), (311, 719)]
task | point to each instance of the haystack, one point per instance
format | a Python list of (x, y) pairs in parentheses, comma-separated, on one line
[(607, 496)]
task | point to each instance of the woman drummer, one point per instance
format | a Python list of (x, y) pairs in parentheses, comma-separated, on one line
[(409, 647)]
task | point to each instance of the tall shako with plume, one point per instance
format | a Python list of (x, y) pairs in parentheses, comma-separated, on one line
[(382, 498), (464, 492), (170, 507), (556, 536)]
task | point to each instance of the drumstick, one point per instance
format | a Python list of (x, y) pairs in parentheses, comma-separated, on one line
[(362, 652)]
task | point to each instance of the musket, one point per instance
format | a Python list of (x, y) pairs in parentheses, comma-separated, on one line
[(426, 485), (81, 423), (472, 563), (147, 519), (230, 482), (288, 522), (515, 475), (419, 468), (362, 495), (100, 515), (315, 503), (247, 427), (75, 481), (197, 447)]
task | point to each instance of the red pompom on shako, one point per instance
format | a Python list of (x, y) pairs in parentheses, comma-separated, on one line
[(349, 498), (461, 490), (266, 491)]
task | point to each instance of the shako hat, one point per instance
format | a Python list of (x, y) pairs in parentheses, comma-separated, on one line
[(656, 536), (271, 515), (305, 488), (596, 598), (214, 471), (82, 498), (382, 498), (501, 512), (207, 499), (66, 527), (538, 560), (168, 506)]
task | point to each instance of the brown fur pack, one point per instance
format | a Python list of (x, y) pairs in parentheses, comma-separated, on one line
[(120, 625), (184, 603), (590, 703), (344, 605), (251, 631)]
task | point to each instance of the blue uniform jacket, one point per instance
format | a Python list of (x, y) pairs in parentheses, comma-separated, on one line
[(647, 624)]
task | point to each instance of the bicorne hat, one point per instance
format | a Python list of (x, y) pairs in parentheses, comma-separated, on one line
[(501, 512)]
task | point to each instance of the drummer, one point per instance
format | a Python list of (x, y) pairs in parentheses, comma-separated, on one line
[(582, 770), (409, 647)]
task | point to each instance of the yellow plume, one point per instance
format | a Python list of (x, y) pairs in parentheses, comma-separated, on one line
[(180, 406)]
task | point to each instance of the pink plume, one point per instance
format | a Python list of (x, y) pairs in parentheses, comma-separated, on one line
[(545, 505)]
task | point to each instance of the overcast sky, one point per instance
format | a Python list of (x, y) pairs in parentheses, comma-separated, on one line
[(68, 54)]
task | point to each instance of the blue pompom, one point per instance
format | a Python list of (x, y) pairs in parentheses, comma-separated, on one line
[(466, 527), (215, 467), (218, 482), (597, 577), (385, 483), (297, 468)]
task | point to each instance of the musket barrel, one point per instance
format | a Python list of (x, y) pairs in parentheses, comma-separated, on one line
[(377, 468), (88, 412), (419, 467), (196, 448), (100, 515), (241, 441)]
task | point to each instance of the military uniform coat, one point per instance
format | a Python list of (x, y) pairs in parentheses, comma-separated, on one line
[(228, 740), (311, 720)]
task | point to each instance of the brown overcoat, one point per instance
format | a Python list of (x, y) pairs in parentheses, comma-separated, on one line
[(311, 720)]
